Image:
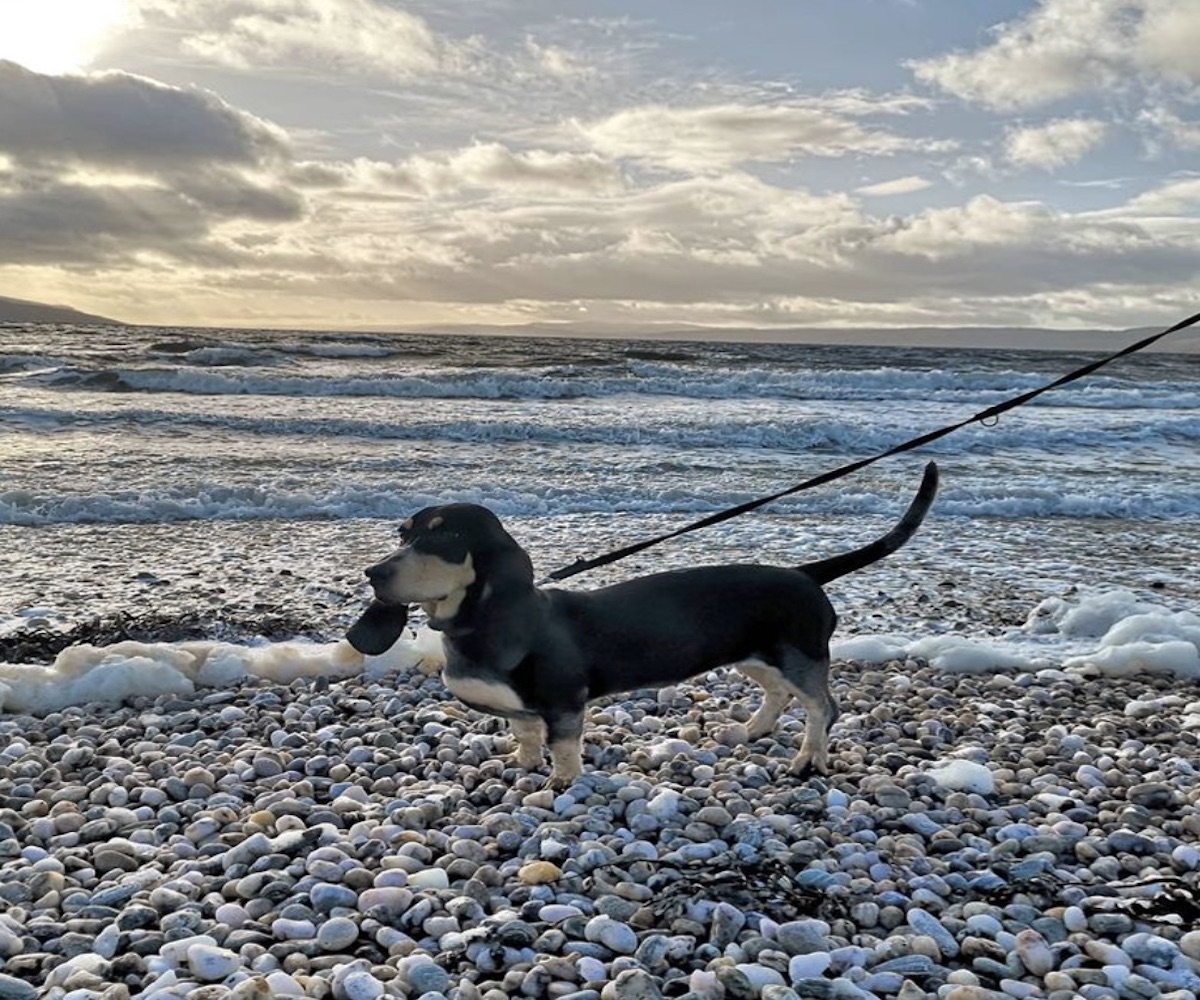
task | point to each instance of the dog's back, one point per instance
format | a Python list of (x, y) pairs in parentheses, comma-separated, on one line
[(667, 627)]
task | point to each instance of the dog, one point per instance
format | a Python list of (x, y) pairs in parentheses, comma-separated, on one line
[(537, 656)]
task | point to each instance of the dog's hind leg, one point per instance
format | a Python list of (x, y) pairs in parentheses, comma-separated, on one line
[(531, 742), (565, 732), (808, 677), (777, 695)]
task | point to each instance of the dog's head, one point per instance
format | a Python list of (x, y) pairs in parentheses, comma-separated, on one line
[(447, 557)]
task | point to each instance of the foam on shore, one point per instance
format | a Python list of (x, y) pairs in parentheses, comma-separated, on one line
[(84, 674), (1109, 632)]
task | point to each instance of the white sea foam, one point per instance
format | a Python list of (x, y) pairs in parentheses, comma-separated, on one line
[(691, 424), (83, 674), (593, 491), (1110, 632), (1151, 639), (964, 776), (568, 382)]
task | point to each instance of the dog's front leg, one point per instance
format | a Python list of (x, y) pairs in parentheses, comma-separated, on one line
[(565, 731), (531, 742)]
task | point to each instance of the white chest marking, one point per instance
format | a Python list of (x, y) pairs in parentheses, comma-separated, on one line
[(485, 694)]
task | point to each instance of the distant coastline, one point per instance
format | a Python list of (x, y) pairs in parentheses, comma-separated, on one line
[(25, 311), (980, 337)]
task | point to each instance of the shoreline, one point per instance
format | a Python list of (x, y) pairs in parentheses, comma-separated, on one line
[(322, 837)]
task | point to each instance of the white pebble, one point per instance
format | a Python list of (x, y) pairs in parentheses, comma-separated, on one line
[(283, 985), (665, 805), (232, 915), (760, 976), (361, 985), (555, 913), (293, 930), (337, 934), (175, 953), (429, 878), (1074, 919), (810, 966), (613, 934), (211, 964)]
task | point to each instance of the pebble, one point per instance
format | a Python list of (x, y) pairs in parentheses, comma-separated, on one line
[(12, 988), (427, 977), (211, 964), (1034, 952), (614, 935), (361, 985), (632, 984), (929, 926), (337, 934), (539, 873), (360, 839)]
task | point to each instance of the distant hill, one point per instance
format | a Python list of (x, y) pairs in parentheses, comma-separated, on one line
[(24, 311)]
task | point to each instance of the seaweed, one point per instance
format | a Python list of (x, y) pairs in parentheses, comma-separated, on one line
[(42, 643), (771, 886)]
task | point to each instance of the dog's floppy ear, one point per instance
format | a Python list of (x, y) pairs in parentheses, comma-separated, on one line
[(377, 630)]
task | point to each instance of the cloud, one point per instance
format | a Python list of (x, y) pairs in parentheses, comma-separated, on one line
[(1165, 128), (1067, 47), (901, 185), (120, 120), (735, 248), (108, 166), (52, 222), (1175, 198), (645, 205), (335, 37), (719, 137), (1168, 42), (1055, 144), (556, 61), (492, 166)]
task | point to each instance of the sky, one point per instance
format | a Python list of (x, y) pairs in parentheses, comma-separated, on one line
[(375, 164)]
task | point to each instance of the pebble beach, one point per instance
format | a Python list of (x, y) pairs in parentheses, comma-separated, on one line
[(999, 835), (202, 796)]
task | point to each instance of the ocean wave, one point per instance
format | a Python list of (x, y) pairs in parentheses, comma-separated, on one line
[(698, 429), (337, 350), (22, 365), (27, 508), (223, 371), (230, 356)]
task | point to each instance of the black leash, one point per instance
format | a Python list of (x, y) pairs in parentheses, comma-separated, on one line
[(991, 413)]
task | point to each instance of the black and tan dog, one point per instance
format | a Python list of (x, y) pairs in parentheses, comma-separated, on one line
[(537, 656)]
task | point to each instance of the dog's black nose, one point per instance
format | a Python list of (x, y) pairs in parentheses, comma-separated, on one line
[(376, 573)]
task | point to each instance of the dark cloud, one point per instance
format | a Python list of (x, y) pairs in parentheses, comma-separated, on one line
[(56, 223), (125, 121), (103, 167)]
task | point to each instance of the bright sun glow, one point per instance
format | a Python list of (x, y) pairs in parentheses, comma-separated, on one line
[(56, 36)]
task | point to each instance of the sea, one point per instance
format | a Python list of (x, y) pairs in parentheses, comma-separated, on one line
[(178, 471)]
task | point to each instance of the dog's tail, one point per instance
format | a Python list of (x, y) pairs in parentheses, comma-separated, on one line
[(825, 570)]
